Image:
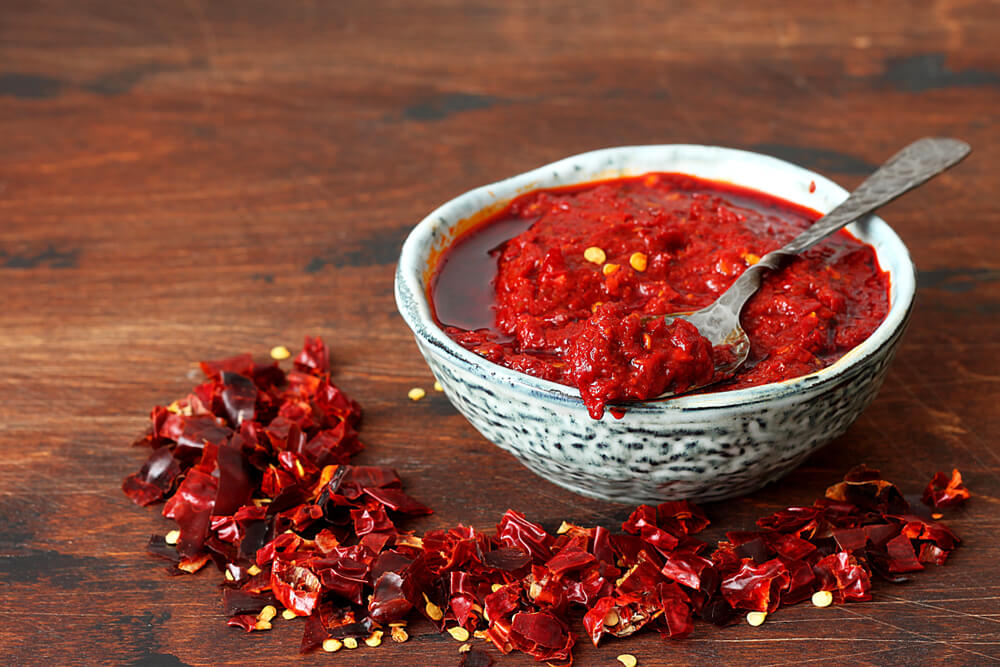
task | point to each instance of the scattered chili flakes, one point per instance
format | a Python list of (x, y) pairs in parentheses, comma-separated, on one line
[(254, 465)]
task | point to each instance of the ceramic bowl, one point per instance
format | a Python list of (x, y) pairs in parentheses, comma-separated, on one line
[(699, 447)]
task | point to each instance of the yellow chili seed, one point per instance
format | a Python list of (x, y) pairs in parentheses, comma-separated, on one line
[(172, 537), (350, 642), (564, 528), (534, 590), (375, 639), (936, 515), (755, 618), (437, 386), (229, 576), (627, 659), (332, 645), (267, 613), (751, 258), (433, 611), (465, 648), (638, 261), (822, 598), (262, 625), (594, 255), (280, 352), (480, 634), (612, 619), (416, 394), (253, 570), (609, 268), (496, 587), (288, 614), (398, 634), (458, 633)]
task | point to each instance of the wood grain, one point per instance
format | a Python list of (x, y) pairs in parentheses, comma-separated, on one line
[(185, 180)]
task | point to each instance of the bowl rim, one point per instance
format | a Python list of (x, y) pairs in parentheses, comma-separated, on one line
[(413, 304)]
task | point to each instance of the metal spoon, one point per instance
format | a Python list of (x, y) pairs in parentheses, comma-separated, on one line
[(910, 167)]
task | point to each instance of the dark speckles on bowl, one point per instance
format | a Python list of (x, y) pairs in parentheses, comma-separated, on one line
[(701, 447)]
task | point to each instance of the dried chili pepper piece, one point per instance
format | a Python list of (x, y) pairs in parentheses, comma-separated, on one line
[(297, 588), (516, 531), (756, 587), (155, 480), (541, 635), (314, 356), (943, 492)]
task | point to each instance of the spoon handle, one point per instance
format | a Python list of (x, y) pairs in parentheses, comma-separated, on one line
[(904, 171)]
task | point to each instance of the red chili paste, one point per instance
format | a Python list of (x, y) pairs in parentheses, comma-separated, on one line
[(554, 286)]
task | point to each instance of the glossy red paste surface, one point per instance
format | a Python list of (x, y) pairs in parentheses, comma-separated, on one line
[(519, 290)]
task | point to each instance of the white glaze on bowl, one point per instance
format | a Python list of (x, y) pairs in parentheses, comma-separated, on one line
[(700, 447)]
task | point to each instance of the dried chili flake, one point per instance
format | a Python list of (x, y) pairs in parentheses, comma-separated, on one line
[(943, 492), (255, 467)]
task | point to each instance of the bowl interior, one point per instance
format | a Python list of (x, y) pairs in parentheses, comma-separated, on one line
[(760, 172)]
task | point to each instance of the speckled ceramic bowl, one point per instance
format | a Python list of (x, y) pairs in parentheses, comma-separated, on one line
[(700, 447)]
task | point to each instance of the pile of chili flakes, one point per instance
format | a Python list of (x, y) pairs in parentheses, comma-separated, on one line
[(255, 468)]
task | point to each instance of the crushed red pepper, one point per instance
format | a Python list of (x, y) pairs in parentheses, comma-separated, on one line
[(254, 467)]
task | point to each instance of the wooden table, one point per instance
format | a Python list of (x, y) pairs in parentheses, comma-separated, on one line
[(187, 180)]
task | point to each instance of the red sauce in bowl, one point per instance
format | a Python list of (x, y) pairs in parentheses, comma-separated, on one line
[(554, 286)]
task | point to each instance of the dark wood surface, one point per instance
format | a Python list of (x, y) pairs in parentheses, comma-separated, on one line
[(186, 180)]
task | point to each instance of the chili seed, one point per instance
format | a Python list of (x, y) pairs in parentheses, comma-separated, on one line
[(267, 613), (612, 619), (398, 634), (936, 515), (172, 537), (496, 587), (262, 625), (638, 261), (755, 618), (480, 634), (229, 576), (332, 645), (433, 611), (375, 639), (350, 642), (458, 633), (627, 659), (280, 352), (253, 570), (594, 255), (465, 648), (437, 386), (608, 269), (288, 614), (751, 258), (822, 598), (416, 394)]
